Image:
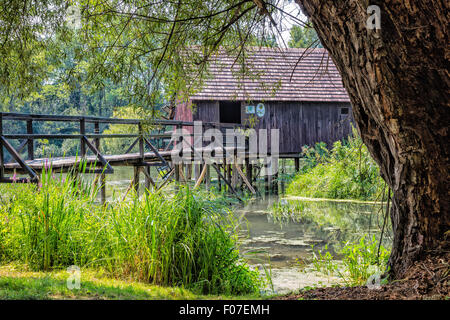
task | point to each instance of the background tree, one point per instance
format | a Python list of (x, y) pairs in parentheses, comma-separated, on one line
[(398, 83), (304, 37)]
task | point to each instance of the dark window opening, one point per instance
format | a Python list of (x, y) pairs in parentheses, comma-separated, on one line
[(230, 112), (344, 110)]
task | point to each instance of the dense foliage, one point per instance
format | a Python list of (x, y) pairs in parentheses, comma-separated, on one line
[(304, 37), (186, 240), (347, 171), (359, 261)]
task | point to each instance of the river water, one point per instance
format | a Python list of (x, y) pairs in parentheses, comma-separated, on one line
[(283, 245)]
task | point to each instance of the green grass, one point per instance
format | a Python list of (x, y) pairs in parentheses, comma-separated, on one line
[(356, 262), (187, 239), (16, 283), (347, 171)]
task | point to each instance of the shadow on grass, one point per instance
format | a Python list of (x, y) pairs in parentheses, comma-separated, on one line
[(48, 287)]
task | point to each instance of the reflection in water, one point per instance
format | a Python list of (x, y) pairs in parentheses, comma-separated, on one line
[(284, 232), (281, 232)]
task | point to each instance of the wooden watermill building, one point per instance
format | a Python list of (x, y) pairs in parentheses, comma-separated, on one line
[(297, 91)]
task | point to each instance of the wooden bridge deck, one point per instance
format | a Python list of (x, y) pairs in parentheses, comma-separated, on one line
[(130, 159)]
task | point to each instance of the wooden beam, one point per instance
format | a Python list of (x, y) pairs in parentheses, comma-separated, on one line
[(132, 145), (30, 143), (137, 170), (244, 178), (208, 176), (148, 178), (19, 160), (167, 179), (297, 164), (109, 168), (201, 177), (22, 145), (227, 182)]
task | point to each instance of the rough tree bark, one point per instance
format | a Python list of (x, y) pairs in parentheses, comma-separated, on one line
[(397, 78)]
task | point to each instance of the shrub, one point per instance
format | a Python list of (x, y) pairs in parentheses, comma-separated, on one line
[(346, 172), (360, 260)]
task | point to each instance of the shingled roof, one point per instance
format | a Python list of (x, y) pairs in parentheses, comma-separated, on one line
[(274, 74)]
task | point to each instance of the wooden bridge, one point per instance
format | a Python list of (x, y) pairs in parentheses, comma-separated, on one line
[(154, 149)]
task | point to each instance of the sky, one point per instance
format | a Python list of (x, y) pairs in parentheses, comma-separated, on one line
[(292, 8)]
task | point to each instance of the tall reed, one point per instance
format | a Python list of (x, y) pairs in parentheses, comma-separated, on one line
[(186, 239)]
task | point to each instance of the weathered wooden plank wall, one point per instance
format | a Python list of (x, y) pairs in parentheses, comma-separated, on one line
[(300, 123), (206, 111), (304, 123)]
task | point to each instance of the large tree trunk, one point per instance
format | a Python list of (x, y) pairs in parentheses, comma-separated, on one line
[(398, 82)]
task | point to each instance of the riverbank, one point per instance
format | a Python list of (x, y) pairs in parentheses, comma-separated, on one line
[(427, 279)]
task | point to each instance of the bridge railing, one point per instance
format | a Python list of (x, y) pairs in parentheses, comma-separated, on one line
[(141, 138)]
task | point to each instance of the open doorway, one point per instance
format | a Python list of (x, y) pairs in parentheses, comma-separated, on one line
[(230, 111)]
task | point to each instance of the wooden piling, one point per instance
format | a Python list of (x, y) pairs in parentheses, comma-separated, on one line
[(208, 176), (197, 170), (103, 188), (248, 170), (234, 176), (137, 169), (219, 182), (148, 184), (177, 173)]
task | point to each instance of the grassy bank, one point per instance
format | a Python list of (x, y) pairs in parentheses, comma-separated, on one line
[(347, 171), (186, 240), (16, 282)]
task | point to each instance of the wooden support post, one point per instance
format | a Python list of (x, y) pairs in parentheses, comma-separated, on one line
[(197, 170), (148, 178), (102, 180), (229, 174), (208, 176), (234, 175), (200, 177), (177, 173), (182, 175), (189, 171), (137, 170), (148, 181), (141, 141), (274, 185), (248, 170), (103, 188), (227, 182), (82, 132), (219, 179), (267, 179), (30, 140), (225, 171), (297, 164)]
